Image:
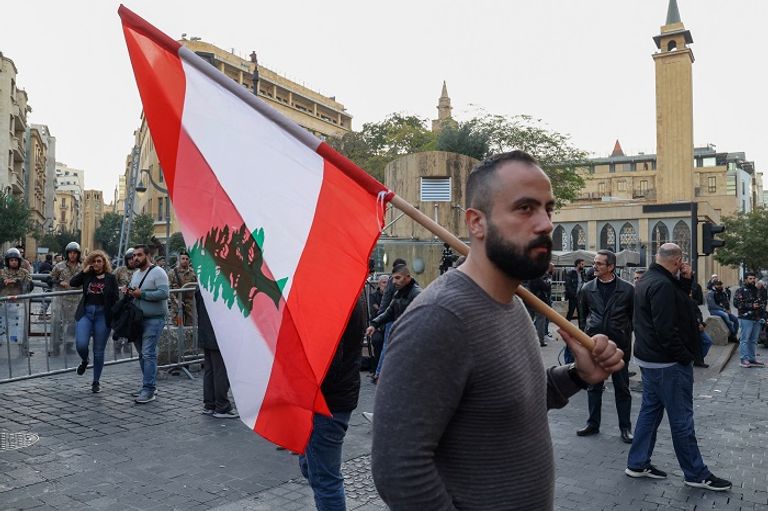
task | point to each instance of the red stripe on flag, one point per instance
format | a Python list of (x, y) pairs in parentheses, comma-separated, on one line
[(335, 257), (162, 85)]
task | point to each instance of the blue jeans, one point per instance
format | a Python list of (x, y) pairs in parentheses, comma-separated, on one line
[(387, 329), (93, 323), (670, 389), (750, 333), (321, 464), (148, 351), (729, 319), (706, 343)]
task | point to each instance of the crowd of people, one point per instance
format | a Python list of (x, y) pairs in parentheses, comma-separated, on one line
[(460, 414)]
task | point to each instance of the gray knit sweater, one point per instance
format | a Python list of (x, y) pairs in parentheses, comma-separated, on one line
[(461, 407)]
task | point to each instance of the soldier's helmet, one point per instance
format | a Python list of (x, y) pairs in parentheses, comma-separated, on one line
[(72, 246), (128, 255), (12, 253)]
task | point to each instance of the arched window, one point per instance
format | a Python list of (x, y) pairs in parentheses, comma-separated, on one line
[(672, 45), (627, 237), (681, 234), (557, 238), (608, 238), (659, 236), (578, 238)]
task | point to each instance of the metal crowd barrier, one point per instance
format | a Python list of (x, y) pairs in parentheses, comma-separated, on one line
[(37, 335)]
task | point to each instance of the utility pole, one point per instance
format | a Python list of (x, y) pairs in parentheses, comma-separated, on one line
[(125, 228)]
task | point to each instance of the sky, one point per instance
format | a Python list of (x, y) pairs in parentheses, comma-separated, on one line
[(584, 67)]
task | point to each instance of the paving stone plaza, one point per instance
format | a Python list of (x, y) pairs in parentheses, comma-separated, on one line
[(62, 447)]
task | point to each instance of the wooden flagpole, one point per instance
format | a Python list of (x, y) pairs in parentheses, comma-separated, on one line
[(462, 248)]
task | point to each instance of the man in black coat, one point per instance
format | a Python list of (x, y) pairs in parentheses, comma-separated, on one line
[(605, 307), (542, 289), (321, 463), (666, 344), (215, 380), (406, 290), (574, 279)]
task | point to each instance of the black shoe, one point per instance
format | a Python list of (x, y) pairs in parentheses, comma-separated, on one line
[(700, 363), (82, 367), (711, 483), (651, 472), (95, 387), (542, 343), (588, 431), (626, 436)]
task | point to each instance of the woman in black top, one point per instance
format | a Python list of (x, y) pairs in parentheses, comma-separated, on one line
[(93, 314)]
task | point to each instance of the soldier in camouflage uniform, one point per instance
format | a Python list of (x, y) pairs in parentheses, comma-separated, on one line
[(14, 280), (123, 275), (64, 307), (182, 274)]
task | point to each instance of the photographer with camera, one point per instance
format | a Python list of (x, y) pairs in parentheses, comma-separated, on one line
[(751, 307)]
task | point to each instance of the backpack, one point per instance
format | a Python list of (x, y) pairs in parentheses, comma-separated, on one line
[(128, 318)]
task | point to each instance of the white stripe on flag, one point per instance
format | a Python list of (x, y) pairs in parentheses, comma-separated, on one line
[(245, 150)]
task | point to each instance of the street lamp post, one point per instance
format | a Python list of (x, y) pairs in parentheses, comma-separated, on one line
[(141, 188)]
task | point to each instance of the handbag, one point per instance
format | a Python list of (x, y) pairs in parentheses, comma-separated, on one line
[(128, 322)]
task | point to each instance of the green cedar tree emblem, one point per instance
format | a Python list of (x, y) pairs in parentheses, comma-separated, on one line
[(229, 265)]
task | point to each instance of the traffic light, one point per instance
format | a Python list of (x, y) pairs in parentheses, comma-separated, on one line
[(708, 241)]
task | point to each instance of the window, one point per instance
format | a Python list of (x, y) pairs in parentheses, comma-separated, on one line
[(681, 234), (436, 189), (608, 238), (627, 237), (644, 185), (160, 208), (578, 238), (712, 184), (612, 168), (601, 188), (622, 186), (743, 188), (659, 236), (730, 185), (558, 238)]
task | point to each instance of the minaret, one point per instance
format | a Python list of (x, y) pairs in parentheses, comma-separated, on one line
[(443, 111), (674, 110)]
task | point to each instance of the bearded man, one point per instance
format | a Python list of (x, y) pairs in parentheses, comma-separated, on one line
[(461, 407)]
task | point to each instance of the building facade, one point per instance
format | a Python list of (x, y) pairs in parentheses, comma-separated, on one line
[(638, 202), (13, 126), (36, 168), (93, 210), (70, 182)]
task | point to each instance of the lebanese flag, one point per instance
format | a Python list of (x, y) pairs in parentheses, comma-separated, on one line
[(280, 228)]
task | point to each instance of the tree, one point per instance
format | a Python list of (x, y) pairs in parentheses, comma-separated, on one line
[(379, 143), (142, 230), (746, 240), (14, 218), (108, 233), (176, 243), (55, 242), (558, 157)]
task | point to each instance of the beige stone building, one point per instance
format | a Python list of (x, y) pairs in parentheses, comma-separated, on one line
[(66, 211), (637, 202), (70, 182), (13, 125), (323, 116), (36, 168), (93, 210)]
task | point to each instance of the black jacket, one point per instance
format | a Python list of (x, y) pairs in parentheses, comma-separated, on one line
[(110, 293), (745, 300), (341, 385), (614, 318), (572, 283), (400, 301), (205, 334), (542, 288), (664, 322)]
